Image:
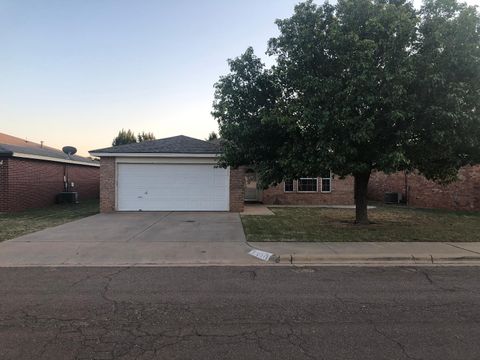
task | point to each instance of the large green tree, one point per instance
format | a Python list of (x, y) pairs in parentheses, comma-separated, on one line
[(360, 86)]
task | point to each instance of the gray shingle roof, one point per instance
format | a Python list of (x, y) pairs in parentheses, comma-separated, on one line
[(177, 144), (9, 150)]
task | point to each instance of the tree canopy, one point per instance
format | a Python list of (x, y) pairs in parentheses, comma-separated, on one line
[(212, 136), (360, 86), (145, 136), (124, 137), (128, 137)]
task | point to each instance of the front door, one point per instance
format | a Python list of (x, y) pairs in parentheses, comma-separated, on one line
[(252, 193)]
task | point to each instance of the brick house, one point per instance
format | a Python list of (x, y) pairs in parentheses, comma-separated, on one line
[(323, 190), (31, 174), (463, 194), (180, 174)]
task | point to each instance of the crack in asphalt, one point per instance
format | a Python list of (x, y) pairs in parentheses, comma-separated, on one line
[(433, 283), (132, 340), (106, 288), (251, 273), (427, 276), (88, 277), (374, 326), (114, 327), (400, 345)]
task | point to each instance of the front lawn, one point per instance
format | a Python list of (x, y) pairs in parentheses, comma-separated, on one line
[(16, 224), (389, 224)]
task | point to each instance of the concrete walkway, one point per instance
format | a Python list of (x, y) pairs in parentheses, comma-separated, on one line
[(381, 253), (257, 209)]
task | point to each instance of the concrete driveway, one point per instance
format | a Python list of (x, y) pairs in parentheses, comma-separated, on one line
[(127, 239)]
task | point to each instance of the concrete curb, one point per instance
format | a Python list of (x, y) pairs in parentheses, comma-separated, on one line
[(292, 259)]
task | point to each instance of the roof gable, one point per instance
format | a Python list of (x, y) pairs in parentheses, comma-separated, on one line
[(172, 145)]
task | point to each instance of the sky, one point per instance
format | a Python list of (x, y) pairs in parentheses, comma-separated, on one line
[(76, 72)]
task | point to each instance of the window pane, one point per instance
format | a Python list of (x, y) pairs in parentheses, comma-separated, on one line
[(307, 184), (288, 185), (326, 185)]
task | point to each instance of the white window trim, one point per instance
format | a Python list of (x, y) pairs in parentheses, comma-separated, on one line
[(307, 191), (293, 185), (321, 184)]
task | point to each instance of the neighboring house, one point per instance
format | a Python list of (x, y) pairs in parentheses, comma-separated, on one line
[(31, 174), (181, 174), (417, 191)]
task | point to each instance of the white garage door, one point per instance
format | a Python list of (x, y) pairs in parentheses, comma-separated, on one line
[(172, 187)]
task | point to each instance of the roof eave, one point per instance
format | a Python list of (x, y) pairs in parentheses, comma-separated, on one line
[(50, 158), (169, 155)]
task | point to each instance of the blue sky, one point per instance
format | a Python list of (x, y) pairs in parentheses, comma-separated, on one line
[(76, 72)]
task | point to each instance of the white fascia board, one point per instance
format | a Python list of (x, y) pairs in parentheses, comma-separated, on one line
[(49, 158), (165, 160), (164, 155)]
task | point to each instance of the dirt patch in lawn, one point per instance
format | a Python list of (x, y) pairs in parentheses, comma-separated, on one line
[(388, 224)]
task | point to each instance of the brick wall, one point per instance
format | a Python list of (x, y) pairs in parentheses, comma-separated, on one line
[(3, 184), (463, 194), (237, 189), (33, 184), (342, 191), (341, 194), (107, 184)]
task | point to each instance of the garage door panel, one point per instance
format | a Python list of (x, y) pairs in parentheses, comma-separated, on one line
[(170, 187)]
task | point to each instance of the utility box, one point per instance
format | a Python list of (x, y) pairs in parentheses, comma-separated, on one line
[(67, 197), (392, 198)]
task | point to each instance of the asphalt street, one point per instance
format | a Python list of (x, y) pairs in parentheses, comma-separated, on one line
[(240, 313)]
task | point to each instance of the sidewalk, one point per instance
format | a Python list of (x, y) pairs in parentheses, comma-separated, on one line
[(374, 253)]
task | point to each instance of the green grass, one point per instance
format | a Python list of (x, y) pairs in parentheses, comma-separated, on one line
[(17, 224), (389, 224)]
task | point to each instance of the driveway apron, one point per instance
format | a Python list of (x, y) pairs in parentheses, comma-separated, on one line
[(135, 239)]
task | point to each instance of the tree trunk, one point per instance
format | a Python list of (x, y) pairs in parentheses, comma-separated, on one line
[(360, 193)]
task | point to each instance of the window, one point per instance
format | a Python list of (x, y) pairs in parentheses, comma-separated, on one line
[(288, 186), (327, 182), (307, 185)]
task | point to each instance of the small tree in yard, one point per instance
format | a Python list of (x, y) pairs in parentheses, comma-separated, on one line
[(362, 86)]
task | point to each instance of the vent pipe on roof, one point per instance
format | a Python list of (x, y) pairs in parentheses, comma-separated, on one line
[(41, 144)]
